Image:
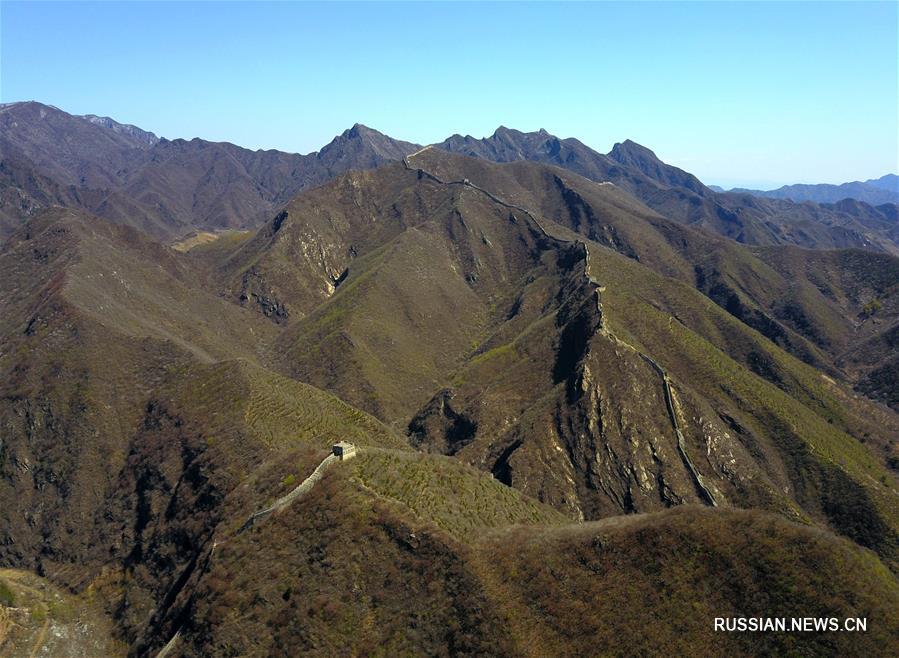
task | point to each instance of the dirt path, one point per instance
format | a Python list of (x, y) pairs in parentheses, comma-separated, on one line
[(39, 602), (44, 620)]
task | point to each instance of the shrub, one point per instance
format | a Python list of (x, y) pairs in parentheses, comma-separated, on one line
[(7, 597)]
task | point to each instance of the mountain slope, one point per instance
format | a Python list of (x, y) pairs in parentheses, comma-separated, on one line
[(582, 426), (642, 159), (417, 589), (71, 150)]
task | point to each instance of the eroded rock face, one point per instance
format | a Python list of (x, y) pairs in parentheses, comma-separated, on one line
[(439, 420), (595, 435)]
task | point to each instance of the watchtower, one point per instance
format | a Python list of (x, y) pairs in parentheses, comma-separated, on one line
[(344, 450)]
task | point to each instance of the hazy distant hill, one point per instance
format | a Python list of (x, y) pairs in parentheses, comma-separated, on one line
[(875, 191), (887, 182)]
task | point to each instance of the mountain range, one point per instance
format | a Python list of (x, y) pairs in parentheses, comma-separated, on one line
[(166, 188), (875, 191), (170, 188), (597, 404)]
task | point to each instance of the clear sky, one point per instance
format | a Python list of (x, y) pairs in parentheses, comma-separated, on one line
[(737, 93)]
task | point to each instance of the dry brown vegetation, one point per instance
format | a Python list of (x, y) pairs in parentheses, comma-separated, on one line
[(520, 488)]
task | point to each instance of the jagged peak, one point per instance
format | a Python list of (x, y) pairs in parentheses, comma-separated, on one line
[(29, 105), (360, 130), (506, 132), (630, 147), (503, 130)]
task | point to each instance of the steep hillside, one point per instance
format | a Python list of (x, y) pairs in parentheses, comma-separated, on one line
[(37, 619), (348, 570), (93, 317), (740, 563), (810, 302), (24, 193), (70, 150)]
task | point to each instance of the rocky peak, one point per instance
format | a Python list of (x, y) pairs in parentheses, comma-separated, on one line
[(638, 157), (630, 152), (144, 137)]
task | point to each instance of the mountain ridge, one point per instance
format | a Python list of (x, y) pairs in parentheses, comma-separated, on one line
[(682, 197), (173, 187), (875, 191)]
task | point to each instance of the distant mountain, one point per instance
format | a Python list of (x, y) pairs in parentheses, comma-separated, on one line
[(71, 150), (169, 188), (509, 145), (164, 187), (683, 197), (887, 182), (875, 192)]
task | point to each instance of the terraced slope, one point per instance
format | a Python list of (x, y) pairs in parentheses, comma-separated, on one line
[(127, 418), (461, 501)]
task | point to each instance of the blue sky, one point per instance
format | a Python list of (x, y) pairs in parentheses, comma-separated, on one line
[(738, 93)]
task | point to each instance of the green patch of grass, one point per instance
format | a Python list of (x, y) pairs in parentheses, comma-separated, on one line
[(507, 351), (459, 499), (871, 308), (239, 397), (7, 596)]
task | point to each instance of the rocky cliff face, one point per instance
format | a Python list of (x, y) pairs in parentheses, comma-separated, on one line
[(141, 136)]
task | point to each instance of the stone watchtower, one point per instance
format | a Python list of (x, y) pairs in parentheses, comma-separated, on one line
[(344, 450)]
